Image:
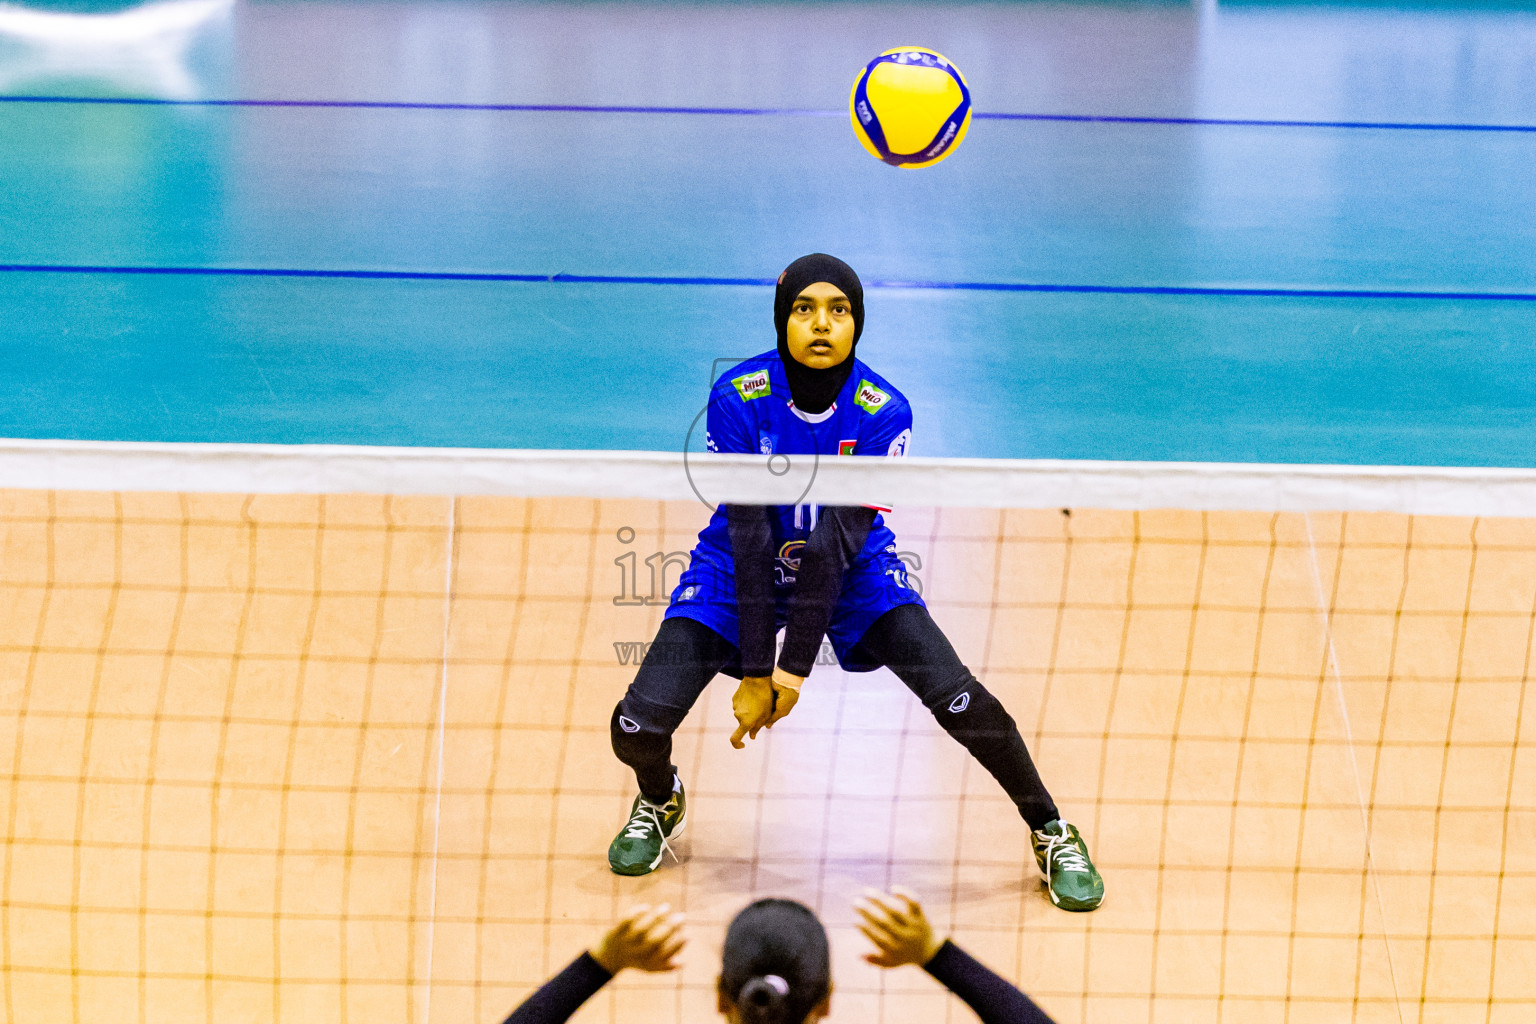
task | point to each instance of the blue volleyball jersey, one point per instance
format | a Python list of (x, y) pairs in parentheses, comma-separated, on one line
[(750, 411)]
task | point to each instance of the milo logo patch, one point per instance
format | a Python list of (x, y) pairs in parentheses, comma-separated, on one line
[(870, 398), (752, 385)]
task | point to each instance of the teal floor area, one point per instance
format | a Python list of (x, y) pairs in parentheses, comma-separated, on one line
[(119, 223)]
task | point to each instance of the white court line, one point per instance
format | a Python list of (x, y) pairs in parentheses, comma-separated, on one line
[(1349, 738), (442, 714)]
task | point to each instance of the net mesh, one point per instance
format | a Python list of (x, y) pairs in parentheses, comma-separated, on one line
[(345, 758)]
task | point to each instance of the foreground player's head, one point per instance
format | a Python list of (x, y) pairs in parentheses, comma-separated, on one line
[(776, 968), (818, 311)]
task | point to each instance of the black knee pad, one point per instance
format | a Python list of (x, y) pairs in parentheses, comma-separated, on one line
[(642, 732), (968, 708)]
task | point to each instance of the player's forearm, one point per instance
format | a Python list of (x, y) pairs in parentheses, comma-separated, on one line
[(983, 990), (836, 541), (995, 1000), (752, 552), (562, 995)]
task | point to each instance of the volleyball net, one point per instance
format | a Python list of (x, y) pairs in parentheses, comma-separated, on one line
[(295, 735)]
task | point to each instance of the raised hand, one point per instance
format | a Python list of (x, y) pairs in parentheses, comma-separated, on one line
[(895, 923), (647, 939)]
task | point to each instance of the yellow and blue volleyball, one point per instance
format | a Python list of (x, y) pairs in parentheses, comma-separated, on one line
[(910, 107)]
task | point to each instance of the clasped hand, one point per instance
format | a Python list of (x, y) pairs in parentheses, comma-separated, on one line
[(760, 701)]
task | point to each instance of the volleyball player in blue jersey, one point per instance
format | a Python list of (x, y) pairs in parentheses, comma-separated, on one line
[(830, 571)]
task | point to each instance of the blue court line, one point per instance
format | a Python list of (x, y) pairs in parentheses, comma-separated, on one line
[(576, 108), (767, 282)]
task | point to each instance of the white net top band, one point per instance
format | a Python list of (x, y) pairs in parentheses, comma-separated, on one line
[(777, 479)]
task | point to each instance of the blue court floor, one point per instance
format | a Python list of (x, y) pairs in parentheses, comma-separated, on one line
[(390, 238)]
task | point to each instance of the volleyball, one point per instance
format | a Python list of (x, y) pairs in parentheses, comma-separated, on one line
[(910, 107)]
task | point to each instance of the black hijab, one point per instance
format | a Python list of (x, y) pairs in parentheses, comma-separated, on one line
[(814, 391)]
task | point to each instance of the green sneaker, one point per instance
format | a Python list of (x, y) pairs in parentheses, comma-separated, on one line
[(640, 844), (1063, 859)]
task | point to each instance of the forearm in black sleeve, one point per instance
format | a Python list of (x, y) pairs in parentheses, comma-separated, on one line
[(563, 994), (994, 999), (752, 551), (836, 541)]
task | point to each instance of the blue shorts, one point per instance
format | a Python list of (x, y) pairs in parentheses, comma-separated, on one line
[(871, 588)]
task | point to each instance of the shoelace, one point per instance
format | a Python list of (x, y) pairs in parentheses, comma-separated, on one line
[(647, 816), (1063, 852)]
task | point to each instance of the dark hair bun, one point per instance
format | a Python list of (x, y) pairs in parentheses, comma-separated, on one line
[(764, 1000)]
